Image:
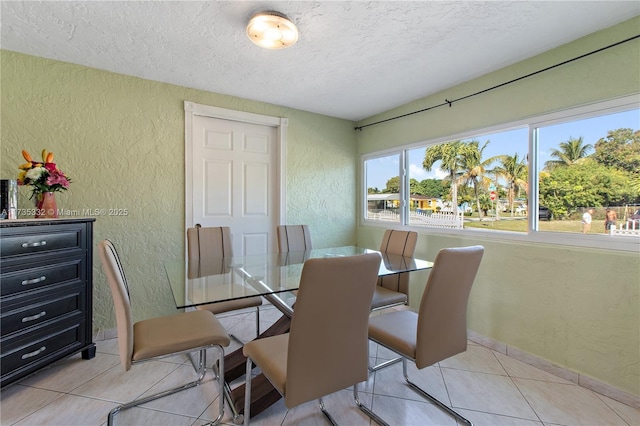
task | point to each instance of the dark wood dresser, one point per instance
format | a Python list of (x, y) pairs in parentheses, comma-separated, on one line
[(46, 299)]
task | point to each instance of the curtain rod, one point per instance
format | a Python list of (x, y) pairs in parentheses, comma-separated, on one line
[(450, 102)]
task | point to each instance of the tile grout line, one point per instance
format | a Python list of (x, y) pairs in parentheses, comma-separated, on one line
[(517, 387), (609, 407)]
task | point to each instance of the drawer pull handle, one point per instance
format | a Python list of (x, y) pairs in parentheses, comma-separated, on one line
[(34, 317), (34, 280), (34, 353), (36, 244)]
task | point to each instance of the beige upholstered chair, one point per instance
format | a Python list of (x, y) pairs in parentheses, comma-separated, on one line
[(439, 329), (293, 238), (393, 290), (296, 239), (215, 242), (326, 349), (162, 336)]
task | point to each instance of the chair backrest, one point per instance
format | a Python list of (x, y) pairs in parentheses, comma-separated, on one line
[(328, 348), (293, 238), (442, 316), (209, 242), (121, 300), (402, 243), (399, 242)]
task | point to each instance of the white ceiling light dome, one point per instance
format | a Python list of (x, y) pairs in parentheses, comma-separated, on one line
[(272, 30)]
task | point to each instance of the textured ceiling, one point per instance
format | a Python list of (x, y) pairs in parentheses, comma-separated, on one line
[(353, 59)]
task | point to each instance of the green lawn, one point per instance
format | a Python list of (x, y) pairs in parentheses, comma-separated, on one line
[(520, 225)]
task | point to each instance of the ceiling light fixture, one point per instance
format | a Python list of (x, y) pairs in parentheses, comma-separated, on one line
[(272, 30)]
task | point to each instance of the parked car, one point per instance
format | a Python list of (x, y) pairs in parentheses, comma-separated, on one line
[(544, 213)]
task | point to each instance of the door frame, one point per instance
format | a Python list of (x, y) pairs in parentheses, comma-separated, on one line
[(192, 109)]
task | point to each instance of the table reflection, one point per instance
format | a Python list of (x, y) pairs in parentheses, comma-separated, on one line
[(218, 279)]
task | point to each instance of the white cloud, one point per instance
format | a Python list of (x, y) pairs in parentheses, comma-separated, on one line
[(441, 174), (417, 172)]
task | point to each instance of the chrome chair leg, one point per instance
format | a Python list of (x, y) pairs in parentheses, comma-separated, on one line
[(196, 368), (365, 410), (238, 418), (430, 397), (202, 371), (221, 388), (141, 401), (247, 392), (385, 364), (326, 413)]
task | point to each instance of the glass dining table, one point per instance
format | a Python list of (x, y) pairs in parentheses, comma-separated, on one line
[(273, 276)]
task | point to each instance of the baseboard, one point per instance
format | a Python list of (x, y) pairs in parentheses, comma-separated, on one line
[(557, 370)]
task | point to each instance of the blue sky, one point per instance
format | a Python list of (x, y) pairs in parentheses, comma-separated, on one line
[(510, 142)]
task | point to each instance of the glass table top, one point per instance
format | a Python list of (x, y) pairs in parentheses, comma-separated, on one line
[(211, 280)]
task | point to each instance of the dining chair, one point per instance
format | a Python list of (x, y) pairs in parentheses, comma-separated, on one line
[(293, 238), (439, 329), (326, 349), (215, 243), (393, 290), (159, 337)]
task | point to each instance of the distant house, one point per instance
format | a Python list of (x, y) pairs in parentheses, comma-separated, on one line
[(392, 201), (422, 202), (382, 201)]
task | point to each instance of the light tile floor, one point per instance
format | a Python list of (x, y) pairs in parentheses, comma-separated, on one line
[(485, 386)]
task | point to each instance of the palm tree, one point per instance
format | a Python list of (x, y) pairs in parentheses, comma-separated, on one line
[(450, 155), (474, 170), (514, 170), (570, 152)]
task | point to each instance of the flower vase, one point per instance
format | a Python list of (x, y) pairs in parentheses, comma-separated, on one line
[(47, 207)]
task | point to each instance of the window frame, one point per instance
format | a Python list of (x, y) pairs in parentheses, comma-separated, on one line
[(621, 243)]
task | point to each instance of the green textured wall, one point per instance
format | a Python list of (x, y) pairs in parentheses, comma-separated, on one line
[(121, 140), (578, 308)]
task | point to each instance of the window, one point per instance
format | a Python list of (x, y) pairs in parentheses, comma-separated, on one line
[(383, 188), (470, 182), (528, 177), (589, 168)]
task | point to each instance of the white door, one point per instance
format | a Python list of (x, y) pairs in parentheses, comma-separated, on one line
[(235, 180)]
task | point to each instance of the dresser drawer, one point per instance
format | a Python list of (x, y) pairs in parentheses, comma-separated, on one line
[(44, 311), (40, 240), (40, 274), (20, 354), (46, 293)]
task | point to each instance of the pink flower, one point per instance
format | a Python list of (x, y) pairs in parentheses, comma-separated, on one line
[(57, 178), (50, 166)]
